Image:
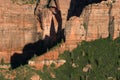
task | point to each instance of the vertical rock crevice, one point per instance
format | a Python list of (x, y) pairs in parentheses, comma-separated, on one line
[(86, 18), (111, 21)]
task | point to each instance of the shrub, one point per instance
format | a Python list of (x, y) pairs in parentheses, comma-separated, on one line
[(2, 61)]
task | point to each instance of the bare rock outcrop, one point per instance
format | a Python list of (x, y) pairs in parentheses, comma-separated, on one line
[(94, 19), (100, 20), (74, 32), (70, 20), (17, 27)]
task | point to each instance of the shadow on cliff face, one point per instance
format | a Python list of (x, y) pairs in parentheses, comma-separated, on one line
[(38, 48), (77, 6), (29, 50), (41, 46)]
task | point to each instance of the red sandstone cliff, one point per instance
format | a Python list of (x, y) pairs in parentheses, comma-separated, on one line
[(17, 27), (100, 20), (71, 20), (81, 20)]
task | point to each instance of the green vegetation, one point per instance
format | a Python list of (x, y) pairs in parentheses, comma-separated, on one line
[(24, 1), (2, 61), (24, 73), (103, 55)]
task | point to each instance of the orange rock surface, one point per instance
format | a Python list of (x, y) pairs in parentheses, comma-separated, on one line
[(77, 20), (17, 27)]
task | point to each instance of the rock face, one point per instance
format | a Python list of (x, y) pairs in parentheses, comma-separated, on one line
[(74, 32), (100, 20), (17, 27), (94, 19), (69, 20), (49, 16)]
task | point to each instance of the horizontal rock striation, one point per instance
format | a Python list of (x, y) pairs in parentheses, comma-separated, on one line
[(55, 21), (100, 20), (17, 27)]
